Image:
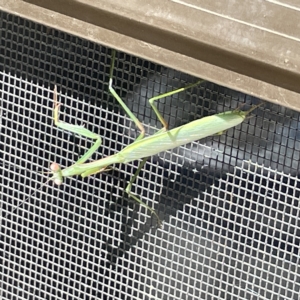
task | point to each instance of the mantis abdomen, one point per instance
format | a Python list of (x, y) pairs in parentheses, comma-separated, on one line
[(182, 135)]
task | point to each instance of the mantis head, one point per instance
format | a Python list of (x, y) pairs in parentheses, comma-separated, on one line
[(57, 173)]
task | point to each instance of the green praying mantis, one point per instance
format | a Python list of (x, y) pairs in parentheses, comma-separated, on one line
[(142, 147)]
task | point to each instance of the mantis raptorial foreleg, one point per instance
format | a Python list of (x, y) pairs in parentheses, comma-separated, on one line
[(78, 129)]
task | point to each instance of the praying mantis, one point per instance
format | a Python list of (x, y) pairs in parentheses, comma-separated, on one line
[(142, 147)]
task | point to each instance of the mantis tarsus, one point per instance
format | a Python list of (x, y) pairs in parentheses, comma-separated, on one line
[(142, 147)]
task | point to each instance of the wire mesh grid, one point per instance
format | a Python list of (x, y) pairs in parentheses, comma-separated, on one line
[(229, 204)]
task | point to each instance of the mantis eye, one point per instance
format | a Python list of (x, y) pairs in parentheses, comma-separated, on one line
[(57, 181), (54, 167)]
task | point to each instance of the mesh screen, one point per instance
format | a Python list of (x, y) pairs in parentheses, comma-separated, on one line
[(229, 203)]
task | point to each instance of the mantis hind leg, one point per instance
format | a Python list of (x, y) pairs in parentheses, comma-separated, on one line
[(77, 129), (151, 100), (154, 107), (128, 191), (138, 124)]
